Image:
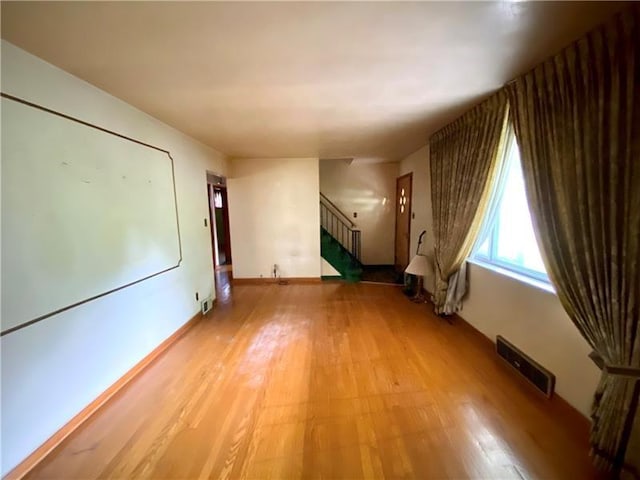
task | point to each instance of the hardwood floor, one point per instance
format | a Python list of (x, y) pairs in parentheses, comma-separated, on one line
[(326, 381)]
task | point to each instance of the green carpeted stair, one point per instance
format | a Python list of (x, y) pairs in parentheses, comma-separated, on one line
[(339, 257)]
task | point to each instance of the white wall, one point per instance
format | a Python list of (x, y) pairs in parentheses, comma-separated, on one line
[(274, 217), (533, 320), (54, 368), (368, 189), (529, 317)]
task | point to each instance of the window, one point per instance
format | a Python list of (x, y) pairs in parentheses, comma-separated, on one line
[(403, 201), (511, 242), (217, 199)]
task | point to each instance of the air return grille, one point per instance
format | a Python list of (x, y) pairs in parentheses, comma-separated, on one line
[(206, 305), (539, 376)]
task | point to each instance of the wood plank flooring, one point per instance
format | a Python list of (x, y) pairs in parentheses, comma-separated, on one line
[(326, 381)]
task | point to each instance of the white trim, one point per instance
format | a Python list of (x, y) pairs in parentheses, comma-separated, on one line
[(547, 287)]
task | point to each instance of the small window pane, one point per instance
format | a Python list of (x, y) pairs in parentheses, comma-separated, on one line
[(484, 249), (515, 240), (217, 200)]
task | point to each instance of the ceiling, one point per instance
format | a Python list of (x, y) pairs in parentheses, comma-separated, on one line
[(329, 79)]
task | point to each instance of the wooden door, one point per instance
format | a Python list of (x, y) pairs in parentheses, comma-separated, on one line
[(403, 221)]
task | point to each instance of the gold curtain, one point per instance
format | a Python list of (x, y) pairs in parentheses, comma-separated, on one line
[(464, 165), (577, 122)]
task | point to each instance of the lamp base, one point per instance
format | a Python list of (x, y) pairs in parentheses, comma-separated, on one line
[(419, 298)]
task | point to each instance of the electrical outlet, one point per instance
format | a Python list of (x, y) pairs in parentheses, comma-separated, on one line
[(197, 296)]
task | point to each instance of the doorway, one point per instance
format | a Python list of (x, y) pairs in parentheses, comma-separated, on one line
[(219, 213), (403, 221), (220, 233)]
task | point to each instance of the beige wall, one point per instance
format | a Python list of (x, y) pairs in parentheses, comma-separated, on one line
[(418, 164), (274, 217), (53, 369), (529, 317), (368, 189)]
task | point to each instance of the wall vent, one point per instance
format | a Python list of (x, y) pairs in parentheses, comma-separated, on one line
[(206, 305), (540, 377)]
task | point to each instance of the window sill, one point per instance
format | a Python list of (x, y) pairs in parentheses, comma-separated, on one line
[(547, 287)]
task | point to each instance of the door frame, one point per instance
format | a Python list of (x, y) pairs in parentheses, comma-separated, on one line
[(409, 213)]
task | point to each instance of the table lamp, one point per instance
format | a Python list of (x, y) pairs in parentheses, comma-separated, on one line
[(419, 266)]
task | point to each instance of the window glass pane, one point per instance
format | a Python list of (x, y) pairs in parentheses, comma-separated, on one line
[(483, 250), (515, 239)]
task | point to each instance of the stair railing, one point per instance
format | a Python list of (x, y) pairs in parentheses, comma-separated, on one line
[(340, 227)]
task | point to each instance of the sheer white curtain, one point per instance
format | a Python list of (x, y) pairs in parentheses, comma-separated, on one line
[(506, 143)]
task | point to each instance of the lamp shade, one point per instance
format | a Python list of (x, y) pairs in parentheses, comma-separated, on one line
[(418, 266)]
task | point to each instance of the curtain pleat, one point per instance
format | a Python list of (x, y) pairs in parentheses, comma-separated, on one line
[(464, 167), (577, 122)]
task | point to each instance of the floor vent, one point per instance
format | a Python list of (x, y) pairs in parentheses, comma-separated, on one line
[(206, 305), (540, 377)]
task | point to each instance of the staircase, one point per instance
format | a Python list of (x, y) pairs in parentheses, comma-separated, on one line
[(339, 241)]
